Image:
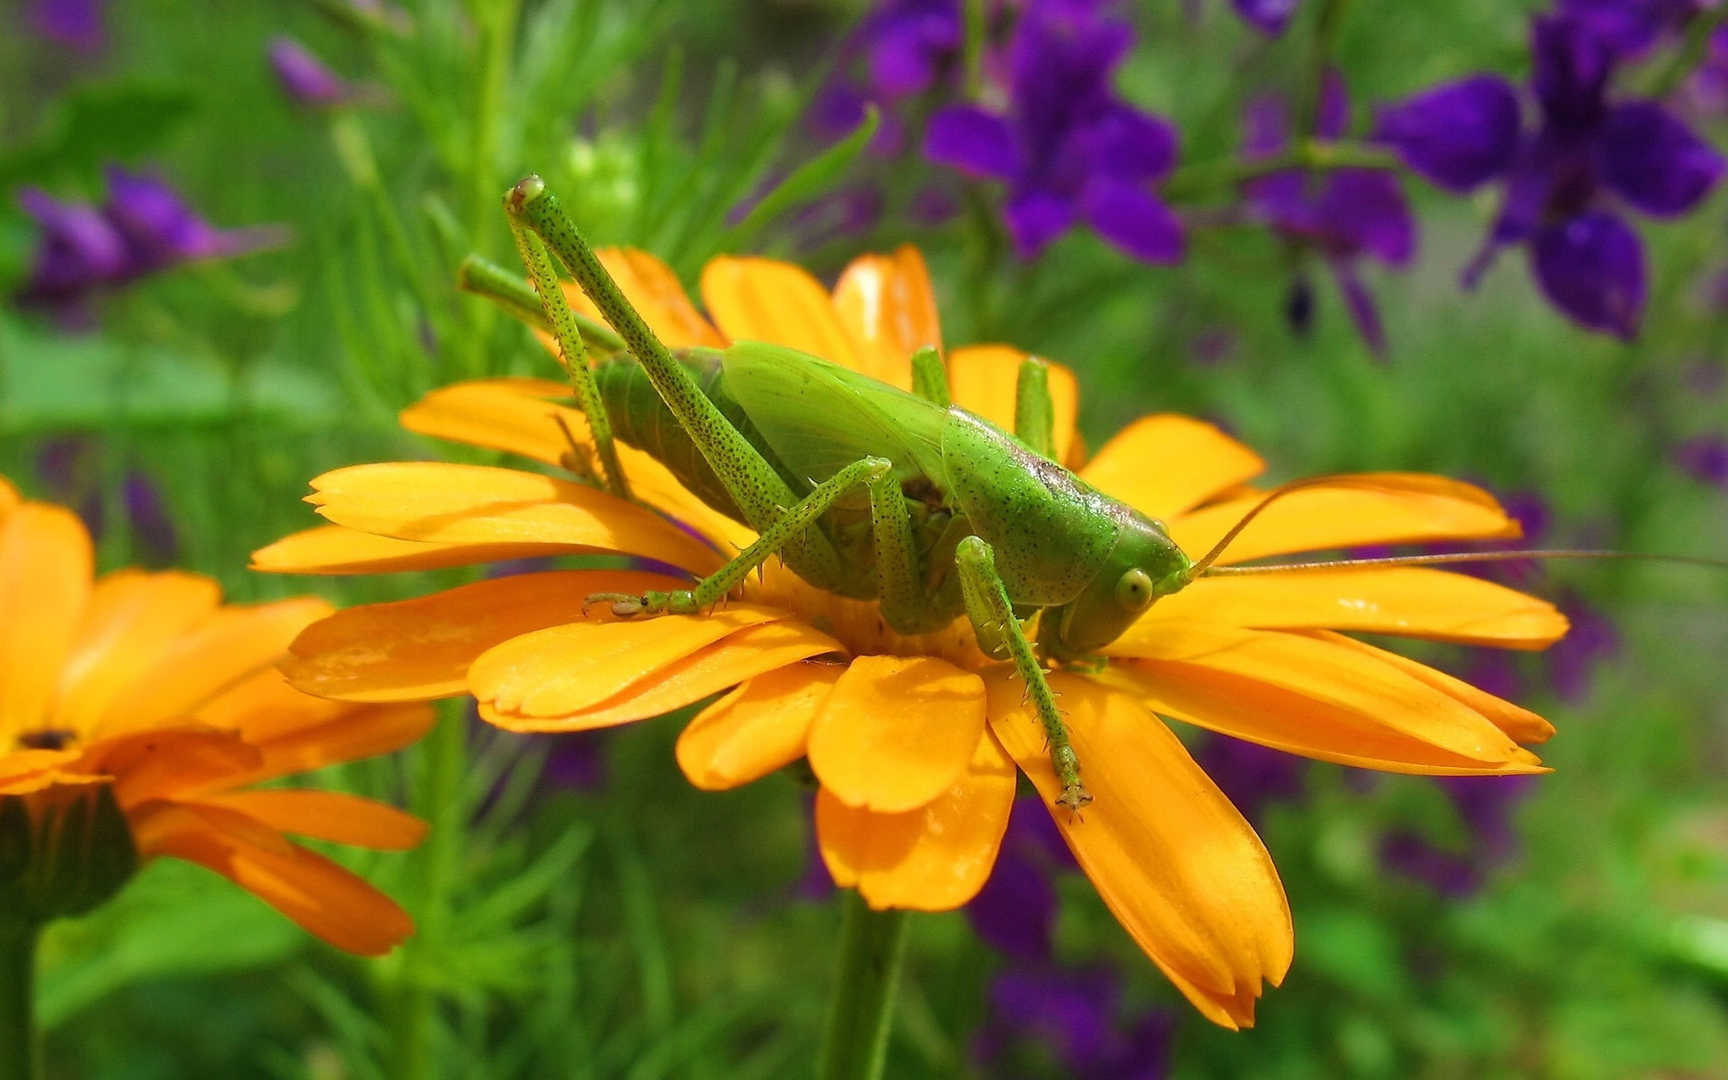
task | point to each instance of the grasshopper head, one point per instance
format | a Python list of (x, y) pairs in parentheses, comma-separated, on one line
[(1144, 565)]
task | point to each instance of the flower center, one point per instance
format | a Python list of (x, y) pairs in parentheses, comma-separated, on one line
[(46, 739), (858, 624)]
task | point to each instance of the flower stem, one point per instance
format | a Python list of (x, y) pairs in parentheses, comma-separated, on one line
[(855, 1037), (20, 1051), (1312, 155), (1691, 51)]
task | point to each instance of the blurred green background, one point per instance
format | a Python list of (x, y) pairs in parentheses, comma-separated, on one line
[(642, 929)]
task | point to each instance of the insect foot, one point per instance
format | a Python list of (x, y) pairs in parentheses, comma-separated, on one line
[(1067, 762), (626, 605)]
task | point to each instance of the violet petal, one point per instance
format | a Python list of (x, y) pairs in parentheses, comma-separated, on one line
[(1134, 220), (1123, 142), (1592, 268), (973, 141), (1360, 303), (1653, 161), (1035, 218), (1458, 134), (1270, 17)]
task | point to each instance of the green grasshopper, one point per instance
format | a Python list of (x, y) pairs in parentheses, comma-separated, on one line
[(870, 492), (864, 490)]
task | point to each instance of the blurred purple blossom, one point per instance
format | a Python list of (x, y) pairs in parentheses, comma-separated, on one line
[(70, 468), (1342, 216), (901, 50), (1067, 1023), (1251, 775), (1068, 148), (141, 228), (1485, 805), (1015, 911), (1705, 457), (1572, 660), (1270, 17), (76, 24), (1629, 27), (305, 78), (1566, 180)]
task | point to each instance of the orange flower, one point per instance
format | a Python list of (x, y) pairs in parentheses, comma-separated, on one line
[(915, 739), (146, 684)]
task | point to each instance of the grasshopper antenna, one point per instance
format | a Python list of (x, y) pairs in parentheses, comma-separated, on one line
[(1205, 568)]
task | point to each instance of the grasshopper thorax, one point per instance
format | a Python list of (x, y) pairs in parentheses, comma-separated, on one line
[(1144, 565)]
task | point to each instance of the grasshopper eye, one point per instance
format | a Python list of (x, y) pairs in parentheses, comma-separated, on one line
[(1134, 591)]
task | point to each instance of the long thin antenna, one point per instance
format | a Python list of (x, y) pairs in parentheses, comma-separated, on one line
[(1447, 558)]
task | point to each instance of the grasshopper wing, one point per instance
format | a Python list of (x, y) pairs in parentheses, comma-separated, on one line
[(819, 417)]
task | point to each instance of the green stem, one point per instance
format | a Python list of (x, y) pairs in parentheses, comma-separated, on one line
[(1312, 155), (20, 1050), (443, 757), (855, 1037), (1691, 51)]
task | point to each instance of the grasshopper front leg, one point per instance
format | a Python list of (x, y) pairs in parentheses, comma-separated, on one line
[(999, 634), (751, 481), (790, 524)]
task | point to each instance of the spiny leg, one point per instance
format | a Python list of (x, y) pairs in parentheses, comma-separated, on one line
[(906, 603), (753, 484), (930, 376), (1034, 415), (999, 633), (572, 352), (788, 524)]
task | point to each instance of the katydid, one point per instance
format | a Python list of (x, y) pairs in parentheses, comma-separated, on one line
[(871, 492)]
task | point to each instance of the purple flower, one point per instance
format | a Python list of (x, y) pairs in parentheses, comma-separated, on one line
[(1572, 660), (1270, 17), (904, 49), (1342, 216), (303, 77), (76, 24), (79, 250), (1630, 26), (142, 227), (1070, 1016), (1252, 775), (1565, 180), (1706, 458), (1068, 148), (1485, 805), (1015, 911)]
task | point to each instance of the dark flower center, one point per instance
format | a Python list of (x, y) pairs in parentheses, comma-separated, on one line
[(47, 739)]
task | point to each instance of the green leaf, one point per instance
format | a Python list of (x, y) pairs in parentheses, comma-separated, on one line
[(95, 124), (807, 181)]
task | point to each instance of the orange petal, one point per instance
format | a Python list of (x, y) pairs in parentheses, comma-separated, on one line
[(564, 669), (896, 731), (332, 549), (355, 735), (45, 568), (734, 659), (326, 815), (515, 415), (885, 302), (756, 299), (322, 897), (934, 858), (229, 646), (1173, 860), (1311, 697), (984, 379), (758, 728), (263, 706), (474, 504), (1406, 601), (415, 650), (1519, 723), (656, 294), (132, 620), (1370, 508), (1165, 464), (509, 414), (8, 497), (149, 765), (24, 771)]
